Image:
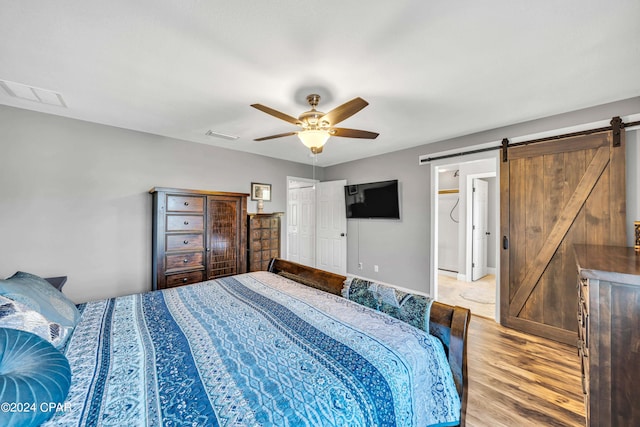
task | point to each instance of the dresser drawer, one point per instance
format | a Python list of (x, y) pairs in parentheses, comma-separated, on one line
[(185, 204), (179, 242), (174, 280), (185, 223), (184, 260), (255, 223)]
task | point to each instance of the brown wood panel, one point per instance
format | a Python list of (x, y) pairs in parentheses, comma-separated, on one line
[(182, 279), (566, 145), (182, 261), (575, 166), (185, 223), (185, 204), (554, 194), (518, 225), (597, 214), (625, 353), (617, 190), (553, 293), (184, 242), (535, 198)]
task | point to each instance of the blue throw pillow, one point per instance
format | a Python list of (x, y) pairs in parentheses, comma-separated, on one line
[(34, 379), (38, 295), (411, 308), (14, 315)]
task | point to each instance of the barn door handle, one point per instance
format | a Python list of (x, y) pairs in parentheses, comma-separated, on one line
[(505, 242)]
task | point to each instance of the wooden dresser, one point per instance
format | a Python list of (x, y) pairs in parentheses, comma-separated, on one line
[(609, 333), (263, 241), (197, 236)]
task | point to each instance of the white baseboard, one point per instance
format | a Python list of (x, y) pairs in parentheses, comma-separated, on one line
[(448, 273)]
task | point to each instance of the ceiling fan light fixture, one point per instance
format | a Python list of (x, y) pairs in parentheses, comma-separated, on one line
[(314, 138)]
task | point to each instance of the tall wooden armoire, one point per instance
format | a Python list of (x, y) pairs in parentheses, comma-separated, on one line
[(197, 236)]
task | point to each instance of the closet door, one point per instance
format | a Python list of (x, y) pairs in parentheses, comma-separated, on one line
[(553, 195), (226, 235)]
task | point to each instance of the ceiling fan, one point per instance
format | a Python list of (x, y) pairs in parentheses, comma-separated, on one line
[(317, 126)]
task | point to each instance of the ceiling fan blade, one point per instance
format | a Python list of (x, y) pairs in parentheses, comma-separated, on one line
[(345, 111), (276, 113), (353, 133), (280, 135)]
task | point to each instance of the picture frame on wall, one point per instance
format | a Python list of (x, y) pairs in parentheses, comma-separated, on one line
[(260, 191)]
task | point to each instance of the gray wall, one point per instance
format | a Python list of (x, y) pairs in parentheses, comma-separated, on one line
[(398, 247), (74, 196), (401, 248)]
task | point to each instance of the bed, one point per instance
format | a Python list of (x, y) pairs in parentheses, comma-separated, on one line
[(275, 348)]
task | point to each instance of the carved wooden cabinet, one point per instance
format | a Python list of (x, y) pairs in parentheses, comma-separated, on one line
[(197, 235), (263, 241), (609, 333)]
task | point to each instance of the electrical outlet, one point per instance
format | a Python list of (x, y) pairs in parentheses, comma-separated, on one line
[(375, 268), (359, 266)]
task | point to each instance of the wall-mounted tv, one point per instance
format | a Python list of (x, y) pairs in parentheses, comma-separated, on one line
[(373, 200)]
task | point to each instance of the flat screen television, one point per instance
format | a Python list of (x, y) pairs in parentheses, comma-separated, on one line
[(373, 200)]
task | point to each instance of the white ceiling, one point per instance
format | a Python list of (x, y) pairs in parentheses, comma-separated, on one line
[(430, 69)]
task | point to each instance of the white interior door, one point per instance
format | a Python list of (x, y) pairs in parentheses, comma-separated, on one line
[(307, 229), (331, 229), (301, 221), (480, 230), (293, 225)]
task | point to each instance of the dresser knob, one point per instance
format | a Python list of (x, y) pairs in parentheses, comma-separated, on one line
[(186, 242), (186, 223), (185, 260), (184, 280), (186, 203)]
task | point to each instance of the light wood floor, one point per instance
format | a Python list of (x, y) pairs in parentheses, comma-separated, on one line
[(521, 380), (453, 292)]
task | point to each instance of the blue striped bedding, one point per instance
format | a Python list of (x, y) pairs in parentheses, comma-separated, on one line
[(252, 350)]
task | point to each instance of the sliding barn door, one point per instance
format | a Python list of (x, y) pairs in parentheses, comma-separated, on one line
[(553, 195)]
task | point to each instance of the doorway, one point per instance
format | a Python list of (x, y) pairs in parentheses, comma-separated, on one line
[(465, 257), (316, 224)]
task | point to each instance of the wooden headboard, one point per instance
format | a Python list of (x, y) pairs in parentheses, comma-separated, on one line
[(447, 323)]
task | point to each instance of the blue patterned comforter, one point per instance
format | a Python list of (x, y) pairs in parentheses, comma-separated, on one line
[(252, 350)]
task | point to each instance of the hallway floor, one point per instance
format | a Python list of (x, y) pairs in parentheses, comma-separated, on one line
[(478, 296)]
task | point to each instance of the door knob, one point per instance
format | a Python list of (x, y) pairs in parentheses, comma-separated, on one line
[(341, 234)]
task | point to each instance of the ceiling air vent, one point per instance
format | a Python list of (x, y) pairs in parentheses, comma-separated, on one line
[(30, 93), (221, 135)]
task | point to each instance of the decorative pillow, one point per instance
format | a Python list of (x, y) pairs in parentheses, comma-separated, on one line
[(34, 379), (410, 308), (18, 316), (307, 282), (38, 295)]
